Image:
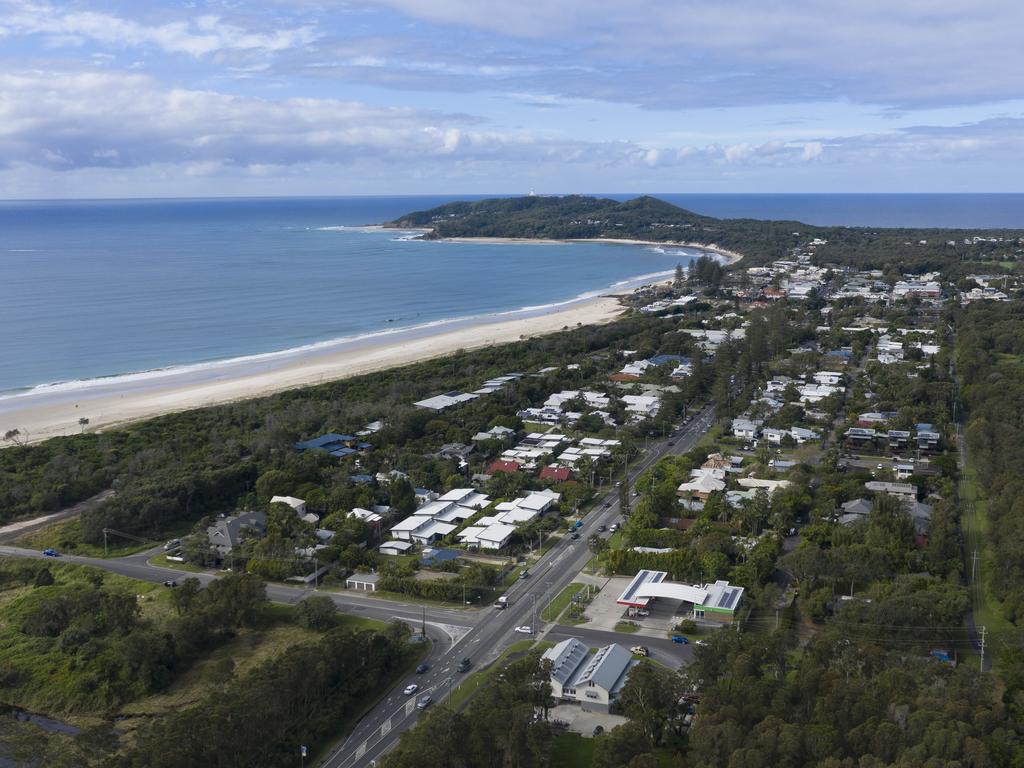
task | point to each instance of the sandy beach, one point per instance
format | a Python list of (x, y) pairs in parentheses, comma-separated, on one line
[(41, 415)]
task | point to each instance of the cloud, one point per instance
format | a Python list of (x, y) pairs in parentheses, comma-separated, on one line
[(197, 36), (116, 125), (692, 53)]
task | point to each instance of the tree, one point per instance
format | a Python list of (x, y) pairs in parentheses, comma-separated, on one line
[(316, 612), (597, 544), (651, 698), (43, 578), (184, 596)]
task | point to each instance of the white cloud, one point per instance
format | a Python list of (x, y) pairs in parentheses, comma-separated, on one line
[(198, 36)]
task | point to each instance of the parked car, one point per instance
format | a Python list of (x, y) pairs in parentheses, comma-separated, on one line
[(614, 527), (642, 612), (526, 629), (51, 553), (172, 544), (170, 583), (464, 665), (638, 650), (679, 639), (671, 442), (574, 535), (524, 575), (410, 689), (421, 669), (602, 528), (425, 702)]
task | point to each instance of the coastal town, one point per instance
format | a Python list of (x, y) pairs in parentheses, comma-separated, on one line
[(771, 451)]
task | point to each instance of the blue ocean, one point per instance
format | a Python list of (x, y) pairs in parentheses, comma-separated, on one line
[(105, 288)]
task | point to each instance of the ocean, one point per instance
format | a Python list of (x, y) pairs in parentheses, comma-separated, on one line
[(96, 289)]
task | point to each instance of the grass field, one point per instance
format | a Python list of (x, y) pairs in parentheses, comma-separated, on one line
[(626, 626), (572, 751), (561, 601)]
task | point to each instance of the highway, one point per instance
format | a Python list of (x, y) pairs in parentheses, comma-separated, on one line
[(480, 634), (494, 630)]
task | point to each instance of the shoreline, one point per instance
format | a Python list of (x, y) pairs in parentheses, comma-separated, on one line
[(40, 415), (727, 256)]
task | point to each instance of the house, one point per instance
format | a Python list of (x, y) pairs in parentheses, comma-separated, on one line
[(700, 488), (744, 429), (927, 437), (861, 437), (502, 466), (921, 514), (395, 547), (489, 533), (556, 474), (443, 402), (899, 490), (802, 435), (774, 436), (898, 439), (227, 533), (338, 446), (297, 504), (455, 451), (593, 680), (366, 515), (494, 433), (716, 461), (854, 510), (755, 483), (364, 582)]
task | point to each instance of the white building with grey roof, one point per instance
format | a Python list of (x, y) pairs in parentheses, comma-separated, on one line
[(592, 679)]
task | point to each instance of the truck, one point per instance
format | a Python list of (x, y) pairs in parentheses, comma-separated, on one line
[(502, 603)]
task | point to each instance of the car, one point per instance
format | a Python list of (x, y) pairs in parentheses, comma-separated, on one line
[(642, 612), (524, 575), (422, 669), (879, 467), (607, 504), (172, 544), (410, 689), (700, 642), (51, 553), (671, 442), (614, 527), (679, 639), (526, 629), (464, 665), (598, 730), (170, 583), (602, 528), (574, 535), (638, 650), (424, 702)]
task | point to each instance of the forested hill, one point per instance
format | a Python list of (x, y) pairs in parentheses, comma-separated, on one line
[(760, 241), (578, 216)]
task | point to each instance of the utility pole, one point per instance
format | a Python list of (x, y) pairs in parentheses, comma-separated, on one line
[(423, 625), (981, 666), (974, 566), (104, 542)]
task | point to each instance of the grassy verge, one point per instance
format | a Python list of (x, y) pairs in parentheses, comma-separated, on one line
[(469, 685), (161, 561), (554, 609), (66, 536), (627, 626), (988, 611), (571, 750)]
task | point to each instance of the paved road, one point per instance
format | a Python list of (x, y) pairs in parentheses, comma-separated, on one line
[(480, 635), (380, 729)]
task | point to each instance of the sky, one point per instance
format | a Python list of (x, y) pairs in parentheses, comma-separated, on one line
[(159, 98)]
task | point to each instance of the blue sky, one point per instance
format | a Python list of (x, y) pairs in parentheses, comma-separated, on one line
[(144, 98)]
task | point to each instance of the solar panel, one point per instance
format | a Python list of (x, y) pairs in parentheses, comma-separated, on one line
[(726, 600)]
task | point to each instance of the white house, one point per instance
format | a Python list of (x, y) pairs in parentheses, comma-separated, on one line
[(744, 429), (593, 680), (297, 504)]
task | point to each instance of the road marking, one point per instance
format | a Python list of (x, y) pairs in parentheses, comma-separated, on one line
[(385, 726), (360, 750), (410, 706)]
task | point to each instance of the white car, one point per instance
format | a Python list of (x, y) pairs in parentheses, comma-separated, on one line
[(411, 689), (525, 629)]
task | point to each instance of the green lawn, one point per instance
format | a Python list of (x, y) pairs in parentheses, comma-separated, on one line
[(626, 626), (572, 751), (554, 609)]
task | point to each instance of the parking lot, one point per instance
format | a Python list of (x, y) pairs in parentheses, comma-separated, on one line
[(604, 613)]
